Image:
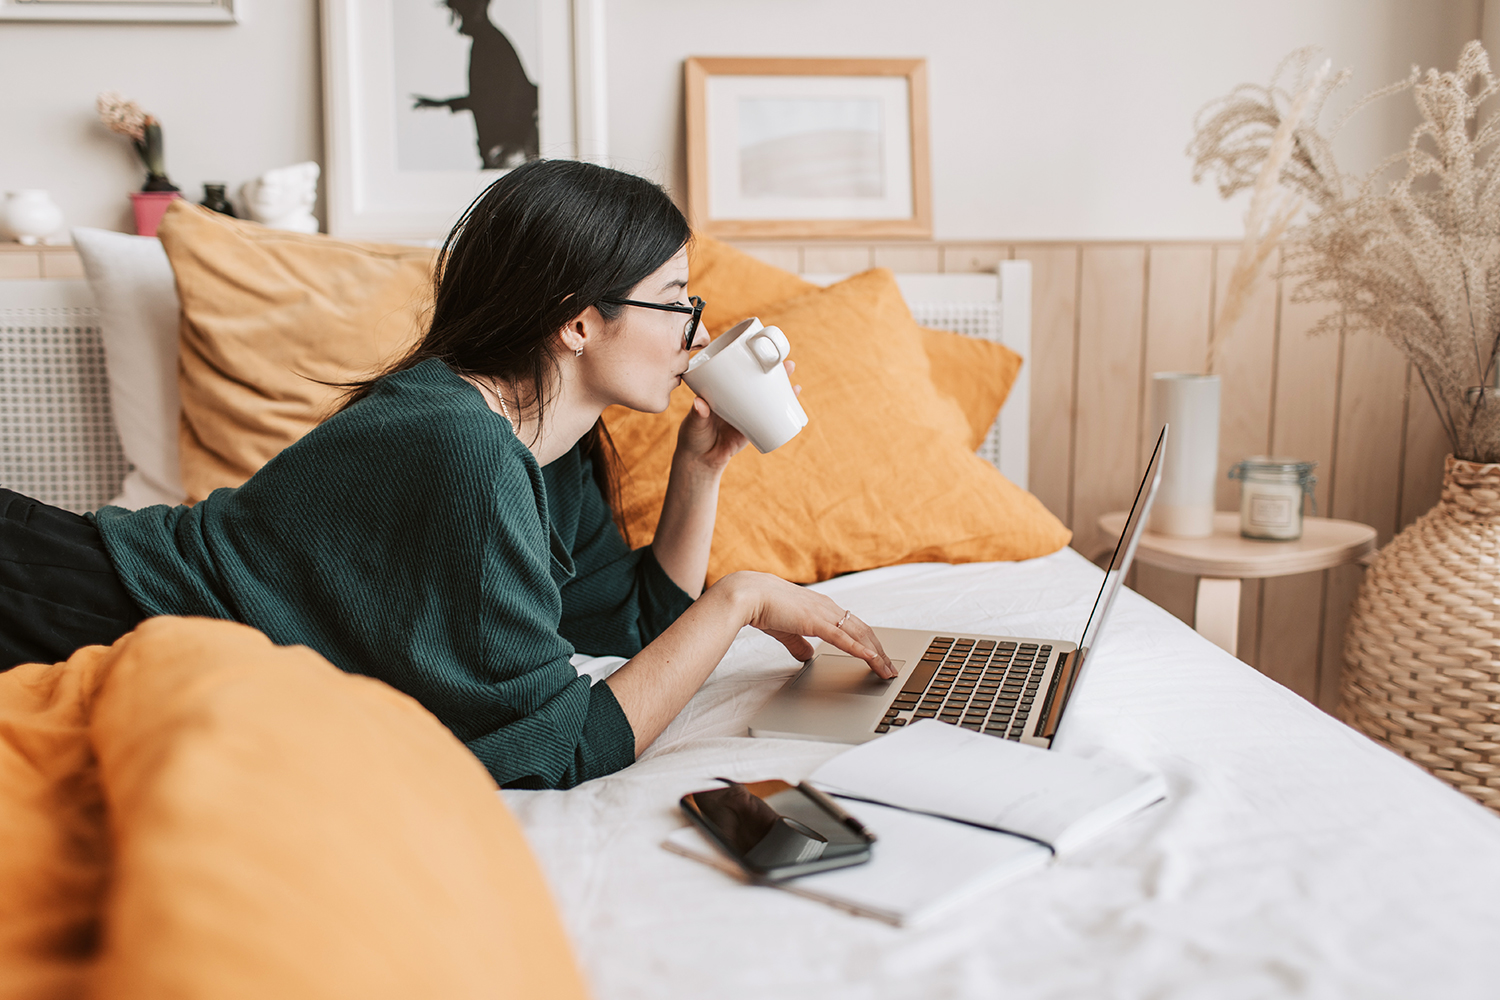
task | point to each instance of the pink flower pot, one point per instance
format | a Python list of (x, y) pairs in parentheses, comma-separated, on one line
[(149, 207)]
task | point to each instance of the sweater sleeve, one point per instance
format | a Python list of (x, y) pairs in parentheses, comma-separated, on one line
[(618, 600), (556, 730), (579, 734)]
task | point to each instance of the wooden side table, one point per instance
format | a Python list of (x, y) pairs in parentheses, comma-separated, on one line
[(1225, 558)]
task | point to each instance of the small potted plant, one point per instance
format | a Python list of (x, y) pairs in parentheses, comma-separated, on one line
[(144, 131)]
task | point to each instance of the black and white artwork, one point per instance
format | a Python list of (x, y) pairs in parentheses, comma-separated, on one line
[(465, 77), (427, 102)]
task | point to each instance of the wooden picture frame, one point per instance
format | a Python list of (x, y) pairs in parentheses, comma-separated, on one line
[(376, 188), (808, 148), (178, 11)]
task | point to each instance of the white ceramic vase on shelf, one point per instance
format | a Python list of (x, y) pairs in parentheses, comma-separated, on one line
[(31, 216), (1189, 473)]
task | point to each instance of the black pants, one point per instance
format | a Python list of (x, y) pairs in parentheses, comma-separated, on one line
[(58, 588)]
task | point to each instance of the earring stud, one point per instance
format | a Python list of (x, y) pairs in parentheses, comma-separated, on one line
[(577, 352)]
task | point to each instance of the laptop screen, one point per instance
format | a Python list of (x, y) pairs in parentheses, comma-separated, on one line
[(1119, 563)]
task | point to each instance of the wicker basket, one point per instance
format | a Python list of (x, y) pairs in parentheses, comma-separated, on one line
[(1422, 671)]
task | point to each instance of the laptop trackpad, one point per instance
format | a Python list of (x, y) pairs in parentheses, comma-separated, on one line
[(831, 674)]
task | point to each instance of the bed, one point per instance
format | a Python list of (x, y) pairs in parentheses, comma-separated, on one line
[(1293, 858)]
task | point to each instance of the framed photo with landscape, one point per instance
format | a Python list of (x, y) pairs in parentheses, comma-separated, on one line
[(799, 148), (426, 103)]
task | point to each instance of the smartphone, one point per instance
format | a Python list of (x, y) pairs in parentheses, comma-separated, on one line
[(778, 831)]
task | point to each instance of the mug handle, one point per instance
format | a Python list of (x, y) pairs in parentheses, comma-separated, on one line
[(770, 347)]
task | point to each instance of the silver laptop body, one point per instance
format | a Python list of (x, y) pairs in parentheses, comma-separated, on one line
[(1005, 686)]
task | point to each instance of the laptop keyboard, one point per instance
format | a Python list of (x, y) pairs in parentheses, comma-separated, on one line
[(986, 685)]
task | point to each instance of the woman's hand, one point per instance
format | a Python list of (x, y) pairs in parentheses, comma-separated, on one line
[(685, 531), (789, 613), (706, 441), (659, 680)]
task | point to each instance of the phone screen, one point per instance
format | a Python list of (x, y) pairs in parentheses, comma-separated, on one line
[(775, 830)]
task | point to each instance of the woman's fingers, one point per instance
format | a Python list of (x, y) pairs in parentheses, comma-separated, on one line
[(795, 644), (784, 610), (865, 636), (857, 639)]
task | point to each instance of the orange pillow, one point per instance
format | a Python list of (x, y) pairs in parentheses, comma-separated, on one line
[(884, 473), (267, 317), (976, 374), (196, 812)]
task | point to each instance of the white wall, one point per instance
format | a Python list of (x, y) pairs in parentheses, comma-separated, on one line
[(233, 100), (1050, 119)]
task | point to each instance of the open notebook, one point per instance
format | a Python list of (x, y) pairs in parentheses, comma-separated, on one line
[(956, 813)]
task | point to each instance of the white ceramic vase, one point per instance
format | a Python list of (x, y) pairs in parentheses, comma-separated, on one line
[(31, 216), (1189, 473)]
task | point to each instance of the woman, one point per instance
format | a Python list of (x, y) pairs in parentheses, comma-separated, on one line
[(448, 531)]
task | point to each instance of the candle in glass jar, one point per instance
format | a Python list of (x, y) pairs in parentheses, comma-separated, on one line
[(1271, 496)]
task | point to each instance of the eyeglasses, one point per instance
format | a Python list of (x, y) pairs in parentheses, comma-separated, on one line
[(694, 313)]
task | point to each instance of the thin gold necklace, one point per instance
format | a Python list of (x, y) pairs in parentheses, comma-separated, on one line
[(495, 388)]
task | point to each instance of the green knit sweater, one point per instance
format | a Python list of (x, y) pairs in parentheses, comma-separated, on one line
[(413, 538)]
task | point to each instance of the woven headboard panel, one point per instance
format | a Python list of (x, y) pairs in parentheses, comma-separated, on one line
[(57, 438)]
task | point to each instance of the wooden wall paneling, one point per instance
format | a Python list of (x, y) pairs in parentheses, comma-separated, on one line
[(962, 257), (1304, 417), (1179, 297), (16, 265), (1367, 476), (62, 265), (836, 259), (1371, 431), (1246, 365), (1427, 446), (1108, 396), (1054, 328), (924, 258), (1179, 301), (786, 257), (1289, 650), (1341, 587)]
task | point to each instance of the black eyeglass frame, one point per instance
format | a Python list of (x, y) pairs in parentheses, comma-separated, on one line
[(696, 311)]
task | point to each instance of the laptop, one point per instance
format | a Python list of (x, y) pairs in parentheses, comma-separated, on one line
[(1013, 688)]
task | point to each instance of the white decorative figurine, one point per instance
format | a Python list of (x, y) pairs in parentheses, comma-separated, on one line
[(32, 217), (283, 198)]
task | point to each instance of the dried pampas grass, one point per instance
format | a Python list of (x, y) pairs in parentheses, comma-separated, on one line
[(1272, 207), (1416, 259)]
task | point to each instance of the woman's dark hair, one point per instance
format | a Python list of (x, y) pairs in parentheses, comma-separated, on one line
[(538, 247)]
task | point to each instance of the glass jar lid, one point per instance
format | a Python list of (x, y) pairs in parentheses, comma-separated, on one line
[(1273, 464)]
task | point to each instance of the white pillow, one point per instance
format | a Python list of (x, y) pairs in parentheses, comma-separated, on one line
[(138, 315)]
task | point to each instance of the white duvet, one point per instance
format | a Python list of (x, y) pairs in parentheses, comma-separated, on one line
[(1294, 858)]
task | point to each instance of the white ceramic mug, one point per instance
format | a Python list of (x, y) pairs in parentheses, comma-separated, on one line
[(742, 376)]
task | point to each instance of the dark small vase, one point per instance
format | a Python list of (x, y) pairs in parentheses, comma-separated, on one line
[(213, 197)]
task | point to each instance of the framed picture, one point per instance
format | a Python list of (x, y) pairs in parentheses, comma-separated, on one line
[(798, 148), (211, 11), (427, 103)]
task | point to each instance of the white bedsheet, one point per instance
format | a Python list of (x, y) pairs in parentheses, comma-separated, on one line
[(1295, 857)]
